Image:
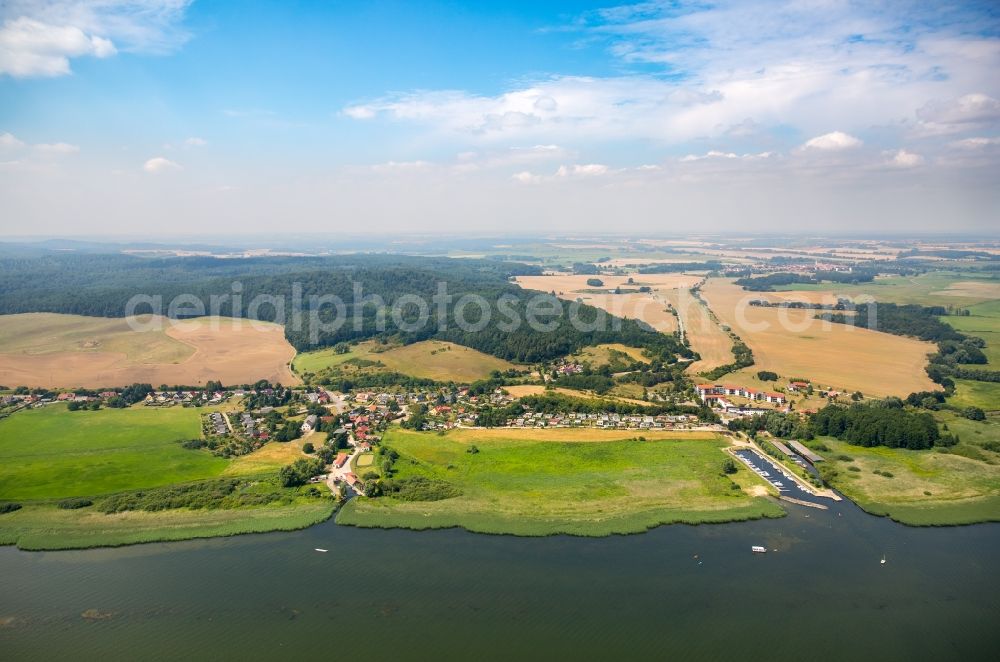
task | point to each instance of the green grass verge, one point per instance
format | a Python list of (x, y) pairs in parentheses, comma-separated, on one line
[(46, 527), (52, 453), (532, 486)]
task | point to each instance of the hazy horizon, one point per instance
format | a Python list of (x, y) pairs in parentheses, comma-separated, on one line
[(172, 117)]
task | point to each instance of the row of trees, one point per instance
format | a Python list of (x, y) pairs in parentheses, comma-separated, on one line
[(769, 282)]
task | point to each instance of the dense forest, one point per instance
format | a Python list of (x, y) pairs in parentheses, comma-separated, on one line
[(369, 285), (885, 423)]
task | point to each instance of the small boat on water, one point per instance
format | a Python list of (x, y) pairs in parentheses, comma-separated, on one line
[(757, 549), (883, 559), (319, 549)]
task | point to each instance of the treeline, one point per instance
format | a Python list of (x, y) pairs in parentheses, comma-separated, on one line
[(769, 282), (595, 382), (842, 304), (950, 254), (676, 267), (585, 269), (902, 320)]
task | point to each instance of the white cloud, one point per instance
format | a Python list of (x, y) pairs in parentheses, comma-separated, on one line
[(904, 159), (557, 106), (57, 148), (746, 75), (401, 166), (32, 48), (511, 156), (195, 142), (584, 170), (713, 154), (359, 112), (159, 164), (968, 143), (526, 177), (716, 154), (577, 171), (38, 39), (9, 141), (967, 109), (834, 141)]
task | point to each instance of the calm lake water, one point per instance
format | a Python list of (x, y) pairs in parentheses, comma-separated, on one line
[(678, 592)]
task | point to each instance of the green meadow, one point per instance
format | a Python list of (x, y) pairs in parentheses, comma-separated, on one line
[(52, 453), (938, 288), (983, 321), (960, 485), (530, 485), (969, 393)]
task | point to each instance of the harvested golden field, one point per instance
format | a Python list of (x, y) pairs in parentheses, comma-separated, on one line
[(793, 343), (565, 285), (712, 343), (272, 456), (51, 350), (705, 336), (646, 306), (38, 334)]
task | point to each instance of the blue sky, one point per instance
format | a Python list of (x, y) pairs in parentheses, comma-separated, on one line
[(178, 116)]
